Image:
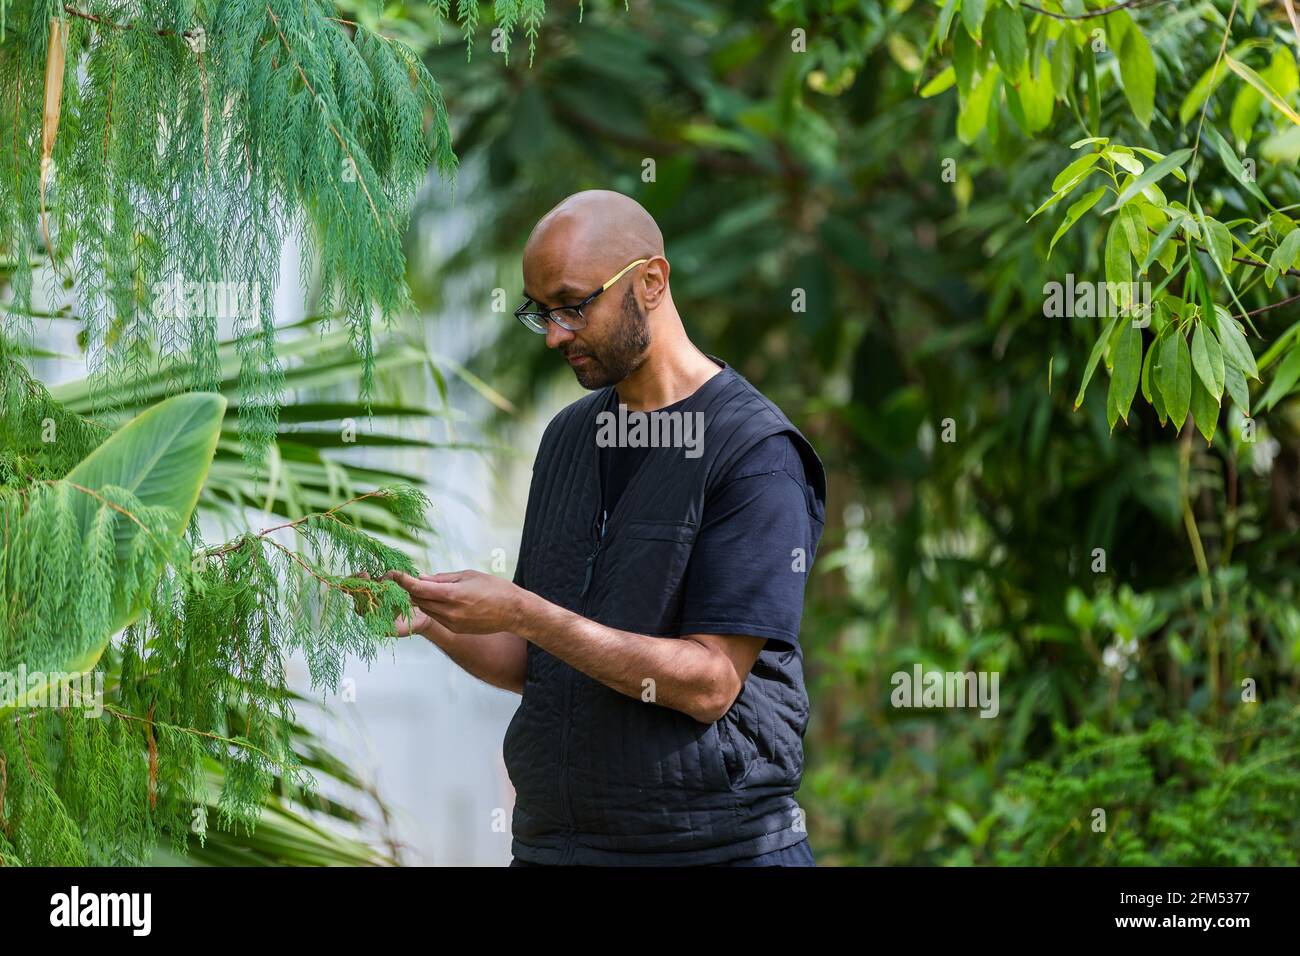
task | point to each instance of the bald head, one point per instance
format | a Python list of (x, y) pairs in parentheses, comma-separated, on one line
[(577, 249), (590, 236)]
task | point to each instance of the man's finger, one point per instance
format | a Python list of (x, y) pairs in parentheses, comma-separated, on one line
[(421, 588), (444, 577), (402, 580)]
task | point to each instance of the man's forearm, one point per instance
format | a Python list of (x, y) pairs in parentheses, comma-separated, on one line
[(501, 659), (685, 675)]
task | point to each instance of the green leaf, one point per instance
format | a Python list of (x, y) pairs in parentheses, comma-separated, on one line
[(1149, 391), (1233, 165), (1063, 55), (974, 113), (1061, 193), (1135, 229), (1283, 257), (941, 82), (1137, 68), (1155, 157), (1076, 210), (1118, 259), (1152, 174), (1173, 377), (1123, 157), (1219, 244), (1205, 410), (1234, 383), (1236, 350), (1157, 247), (1284, 379), (972, 15), (1124, 377), (1008, 39), (1076, 168), (1207, 360), (1246, 106), (1259, 83), (1036, 100), (1200, 91), (162, 457), (963, 61), (1098, 348), (945, 19)]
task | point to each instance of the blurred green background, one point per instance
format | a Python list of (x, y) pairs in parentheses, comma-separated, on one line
[(770, 170)]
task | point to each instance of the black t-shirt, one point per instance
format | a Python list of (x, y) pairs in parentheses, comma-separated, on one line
[(756, 541)]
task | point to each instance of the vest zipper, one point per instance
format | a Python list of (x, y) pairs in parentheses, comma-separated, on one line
[(591, 558), (564, 737)]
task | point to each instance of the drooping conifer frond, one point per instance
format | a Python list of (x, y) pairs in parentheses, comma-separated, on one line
[(103, 781), (189, 139), (101, 772)]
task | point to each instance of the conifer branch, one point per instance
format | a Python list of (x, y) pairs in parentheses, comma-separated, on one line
[(72, 11), (333, 129), (104, 501)]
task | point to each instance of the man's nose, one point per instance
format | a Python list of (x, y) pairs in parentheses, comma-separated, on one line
[(556, 336)]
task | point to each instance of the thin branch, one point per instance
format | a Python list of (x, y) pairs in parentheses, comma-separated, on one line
[(72, 11), (1091, 14), (116, 507), (239, 542), (1271, 305)]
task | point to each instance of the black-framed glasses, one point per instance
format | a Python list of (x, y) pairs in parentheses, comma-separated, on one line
[(568, 317)]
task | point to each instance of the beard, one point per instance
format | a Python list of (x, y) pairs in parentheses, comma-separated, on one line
[(614, 360)]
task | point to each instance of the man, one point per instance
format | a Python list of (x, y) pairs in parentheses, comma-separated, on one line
[(652, 625)]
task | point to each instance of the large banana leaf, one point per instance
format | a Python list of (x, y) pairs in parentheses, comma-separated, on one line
[(312, 466), (161, 457)]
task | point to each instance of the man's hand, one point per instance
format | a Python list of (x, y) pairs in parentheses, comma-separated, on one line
[(466, 602), (416, 622)]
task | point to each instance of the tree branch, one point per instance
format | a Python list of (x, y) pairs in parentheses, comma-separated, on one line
[(1104, 11)]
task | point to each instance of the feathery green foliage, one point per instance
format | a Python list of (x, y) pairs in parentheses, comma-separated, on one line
[(161, 154), (95, 775), (188, 140)]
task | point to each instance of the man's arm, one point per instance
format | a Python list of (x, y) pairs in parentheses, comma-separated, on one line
[(698, 674), (500, 659)]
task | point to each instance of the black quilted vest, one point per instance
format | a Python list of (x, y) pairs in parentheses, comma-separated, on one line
[(603, 778)]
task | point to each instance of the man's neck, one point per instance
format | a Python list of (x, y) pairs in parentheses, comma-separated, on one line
[(666, 377)]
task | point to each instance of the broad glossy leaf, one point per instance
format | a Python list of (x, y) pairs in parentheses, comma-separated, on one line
[(1207, 360), (162, 457), (1173, 376), (974, 115), (1077, 209), (1151, 175), (1125, 375), (1236, 350), (1262, 85), (1205, 409), (1005, 30), (1137, 68), (972, 15), (1234, 383), (1098, 348), (1284, 379)]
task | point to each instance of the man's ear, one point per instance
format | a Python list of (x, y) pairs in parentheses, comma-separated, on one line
[(654, 282)]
